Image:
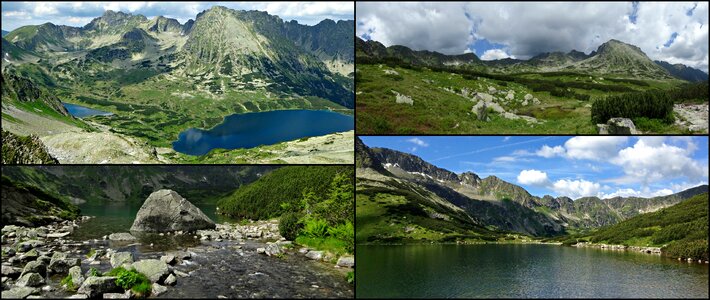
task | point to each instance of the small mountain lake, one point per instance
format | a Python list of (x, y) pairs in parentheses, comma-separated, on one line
[(522, 271), (262, 128), (80, 111)]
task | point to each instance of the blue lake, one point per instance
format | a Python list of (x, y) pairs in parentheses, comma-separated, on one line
[(83, 111), (262, 128)]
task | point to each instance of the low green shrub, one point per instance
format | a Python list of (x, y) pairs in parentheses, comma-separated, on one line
[(290, 225)]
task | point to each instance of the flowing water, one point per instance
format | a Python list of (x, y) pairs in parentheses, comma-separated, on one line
[(262, 128), (522, 271)]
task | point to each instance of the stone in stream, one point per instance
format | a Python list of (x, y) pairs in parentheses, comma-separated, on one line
[(158, 289), (165, 211), (116, 296), (60, 263), (30, 279), (35, 267), (346, 261), (76, 277), (58, 234), (171, 280), (30, 255), (95, 286), (19, 292), (181, 274), (44, 259), (154, 269), (168, 259), (120, 258), (28, 245), (260, 250), (272, 249), (11, 272), (78, 296), (121, 236), (315, 255)]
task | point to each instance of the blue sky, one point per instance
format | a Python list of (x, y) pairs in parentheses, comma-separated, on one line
[(676, 32), (17, 14), (568, 166)]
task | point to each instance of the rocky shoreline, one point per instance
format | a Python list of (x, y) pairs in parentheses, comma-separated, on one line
[(35, 260), (647, 250)]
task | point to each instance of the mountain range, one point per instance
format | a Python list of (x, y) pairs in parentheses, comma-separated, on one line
[(612, 57), (466, 199), (224, 45)]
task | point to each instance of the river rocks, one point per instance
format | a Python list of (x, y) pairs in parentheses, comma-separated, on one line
[(26, 246), (528, 97), (171, 280), (168, 259), (116, 296), (19, 292), (58, 234), (95, 286), (122, 236), (165, 211), (315, 255), (30, 279), (154, 269), (35, 267), (11, 272), (158, 289), (30, 255), (76, 277), (260, 250), (44, 259), (272, 249), (60, 263), (78, 296), (120, 258), (180, 273), (346, 261)]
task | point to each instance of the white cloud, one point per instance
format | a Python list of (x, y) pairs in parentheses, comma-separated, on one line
[(493, 54), (507, 138), (548, 152), (505, 159), (533, 177), (651, 162), (528, 29), (629, 192), (576, 188), (594, 147), (418, 142)]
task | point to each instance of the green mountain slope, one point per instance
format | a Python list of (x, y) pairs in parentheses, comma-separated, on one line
[(28, 205), (24, 150), (99, 185), (262, 199), (683, 72), (682, 229)]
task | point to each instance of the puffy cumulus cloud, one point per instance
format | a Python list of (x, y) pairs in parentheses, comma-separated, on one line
[(528, 29), (533, 177), (593, 147), (576, 188), (629, 192), (494, 54), (549, 152), (418, 141), (16, 14), (650, 161), (441, 27)]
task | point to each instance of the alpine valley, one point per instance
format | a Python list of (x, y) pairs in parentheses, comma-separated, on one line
[(615, 89), (404, 199), (123, 88)]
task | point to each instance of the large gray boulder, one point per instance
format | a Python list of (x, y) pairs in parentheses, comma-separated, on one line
[(154, 269), (621, 126), (95, 286), (76, 277), (165, 211)]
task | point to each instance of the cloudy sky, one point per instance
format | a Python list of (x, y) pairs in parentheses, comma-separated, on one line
[(568, 166), (17, 14), (675, 32)]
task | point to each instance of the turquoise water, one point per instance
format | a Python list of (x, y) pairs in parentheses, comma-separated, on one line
[(263, 128), (83, 111), (522, 271)]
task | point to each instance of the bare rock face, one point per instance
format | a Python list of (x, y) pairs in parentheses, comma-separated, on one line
[(166, 211), (618, 126)]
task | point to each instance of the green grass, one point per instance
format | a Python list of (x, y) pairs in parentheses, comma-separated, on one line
[(131, 279), (329, 244), (438, 111)]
